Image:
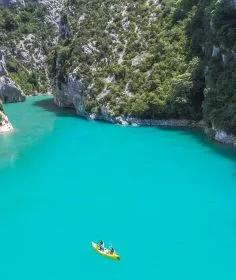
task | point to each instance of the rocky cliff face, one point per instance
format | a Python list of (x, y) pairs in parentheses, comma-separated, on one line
[(28, 29), (116, 50), (9, 91), (53, 6), (219, 56), (26, 36), (145, 62), (11, 3), (71, 94), (150, 60)]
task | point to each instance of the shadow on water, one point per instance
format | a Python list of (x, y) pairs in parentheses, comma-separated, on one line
[(50, 106), (226, 151)]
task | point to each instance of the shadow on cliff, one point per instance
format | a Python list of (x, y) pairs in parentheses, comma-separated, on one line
[(226, 151), (50, 106)]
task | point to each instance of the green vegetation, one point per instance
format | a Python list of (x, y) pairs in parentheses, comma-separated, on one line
[(27, 36), (29, 81), (220, 94), (147, 54), (149, 60), (174, 59)]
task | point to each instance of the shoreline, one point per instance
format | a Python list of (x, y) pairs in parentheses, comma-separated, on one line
[(5, 125), (39, 94), (130, 121), (214, 134)]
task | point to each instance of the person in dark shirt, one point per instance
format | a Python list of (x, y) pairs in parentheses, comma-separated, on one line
[(112, 250), (101, 245)]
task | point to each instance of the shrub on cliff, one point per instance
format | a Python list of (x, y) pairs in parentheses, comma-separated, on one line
[(26, 36), (172, 59)]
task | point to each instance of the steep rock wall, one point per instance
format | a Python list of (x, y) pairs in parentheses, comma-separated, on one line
[(158, 60), (9, 91)]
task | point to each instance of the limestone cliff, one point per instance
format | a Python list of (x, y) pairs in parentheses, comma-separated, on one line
[(144, 62), (9, 91), (116, 51), (11, 3), (27, 34), (148, 60), (28, 29)]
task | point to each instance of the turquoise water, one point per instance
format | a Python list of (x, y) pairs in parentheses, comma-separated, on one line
[(166, 199)]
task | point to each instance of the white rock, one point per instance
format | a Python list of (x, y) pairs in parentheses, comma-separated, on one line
[(225, 138), (5, 125), (215, 51)]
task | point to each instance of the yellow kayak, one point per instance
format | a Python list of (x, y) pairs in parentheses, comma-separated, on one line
[(106, 252)]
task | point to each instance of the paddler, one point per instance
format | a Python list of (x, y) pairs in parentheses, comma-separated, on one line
[(101, 245), (112, 250)]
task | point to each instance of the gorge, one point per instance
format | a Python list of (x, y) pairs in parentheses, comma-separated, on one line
[(108, 115), (144, 62)]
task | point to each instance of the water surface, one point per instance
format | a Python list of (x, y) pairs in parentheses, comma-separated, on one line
[(165, 198)]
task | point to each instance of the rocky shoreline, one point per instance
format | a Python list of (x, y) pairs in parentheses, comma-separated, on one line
[(214, 134), (122, 120), (217, 135), (221, 136), (5, 125)]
